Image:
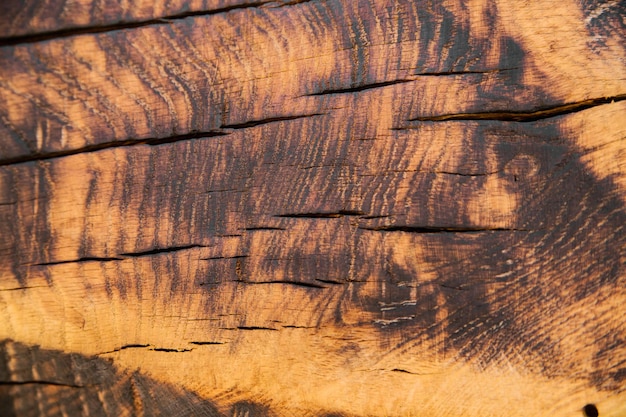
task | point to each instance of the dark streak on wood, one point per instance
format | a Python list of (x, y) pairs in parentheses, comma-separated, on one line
[(98, 377), (254, 123), (224, 257), (330, 215), (109, 145), (525, 117), (64, 33), (157, 251), (129, 346), (171, 350), (255, 328), (86, 259), (439, 229), (359, 88), (294, 283)]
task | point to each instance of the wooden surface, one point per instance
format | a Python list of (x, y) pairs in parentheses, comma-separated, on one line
[(316, 208)]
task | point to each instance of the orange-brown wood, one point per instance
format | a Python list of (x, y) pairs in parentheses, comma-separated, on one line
[(356, 208)]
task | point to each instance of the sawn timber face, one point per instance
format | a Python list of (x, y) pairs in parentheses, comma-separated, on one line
[(289, 220)]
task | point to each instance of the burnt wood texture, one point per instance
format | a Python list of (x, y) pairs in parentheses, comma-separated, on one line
[(313, 208)]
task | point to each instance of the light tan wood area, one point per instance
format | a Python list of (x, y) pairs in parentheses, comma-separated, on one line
[(313, 208)]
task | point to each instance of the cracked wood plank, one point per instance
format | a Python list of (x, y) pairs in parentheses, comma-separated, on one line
[(155, 82), (329, 208), (34, 21)]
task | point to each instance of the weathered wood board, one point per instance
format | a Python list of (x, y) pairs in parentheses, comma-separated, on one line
[(322, 208)]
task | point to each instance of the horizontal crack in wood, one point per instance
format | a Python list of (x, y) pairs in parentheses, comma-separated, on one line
[(359, 88), (131, 346), (223, 257), (291, 326), (147, 347), (322, 215), (253, 328), (330, 281), (404, 371), (294, 2), (363, 87), (65, 33), (294, 283), (71, 261), (109, 145), (254, 123), (158, 251), (436, 229), (179, 350), (525, 117), (452, 73), (461, 174)]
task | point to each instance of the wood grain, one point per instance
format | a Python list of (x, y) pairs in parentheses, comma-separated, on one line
[(37, 20), (315, 208)]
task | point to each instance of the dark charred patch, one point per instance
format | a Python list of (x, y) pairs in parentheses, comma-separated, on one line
[(249, 409), (572, 224), (445, 33), (103, 389), (610, 379), (512, 56), (38, 229), (604, 19), (6, 405)]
